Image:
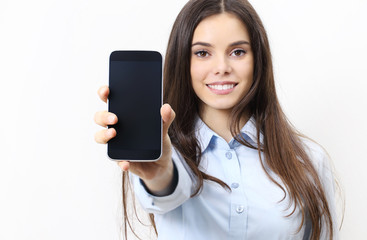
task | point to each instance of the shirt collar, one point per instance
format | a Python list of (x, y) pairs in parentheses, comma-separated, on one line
[(205, 135)]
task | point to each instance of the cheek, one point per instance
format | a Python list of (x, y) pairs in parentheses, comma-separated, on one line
[(248, 75), (197, 71), (194, 71), (246, 72)]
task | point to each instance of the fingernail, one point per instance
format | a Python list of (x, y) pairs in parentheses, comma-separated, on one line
[(111, 118)]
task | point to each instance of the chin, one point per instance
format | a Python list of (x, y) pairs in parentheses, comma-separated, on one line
[(222, 106)]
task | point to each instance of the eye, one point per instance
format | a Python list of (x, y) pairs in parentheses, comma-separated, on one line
[(238, 52), (202, 53)]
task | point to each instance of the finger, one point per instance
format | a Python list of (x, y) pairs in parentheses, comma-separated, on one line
[(103, 136), (124, 165), (103, 93), (168, 115), (104, 118)]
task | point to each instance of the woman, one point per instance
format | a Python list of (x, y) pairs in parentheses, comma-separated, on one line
[(232, 165)]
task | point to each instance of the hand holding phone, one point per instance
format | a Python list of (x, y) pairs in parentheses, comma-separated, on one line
[(157, 175)]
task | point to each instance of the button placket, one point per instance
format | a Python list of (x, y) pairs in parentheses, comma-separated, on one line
[(238, 205)]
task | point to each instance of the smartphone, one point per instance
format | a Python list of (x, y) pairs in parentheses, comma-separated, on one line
[(135, 82)]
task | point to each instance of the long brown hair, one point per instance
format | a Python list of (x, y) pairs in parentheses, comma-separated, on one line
[(282, 147)]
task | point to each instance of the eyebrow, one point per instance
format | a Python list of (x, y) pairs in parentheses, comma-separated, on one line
[(231, 45)]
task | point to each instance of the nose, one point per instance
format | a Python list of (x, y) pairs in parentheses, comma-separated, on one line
[(222, 66)]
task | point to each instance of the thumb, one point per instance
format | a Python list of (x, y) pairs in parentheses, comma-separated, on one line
[(168, 115)]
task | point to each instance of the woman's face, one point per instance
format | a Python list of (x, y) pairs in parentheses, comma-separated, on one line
[(221, 62)]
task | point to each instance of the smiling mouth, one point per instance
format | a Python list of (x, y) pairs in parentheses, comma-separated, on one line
[(221, 86)]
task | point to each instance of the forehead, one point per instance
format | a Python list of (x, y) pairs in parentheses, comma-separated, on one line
[(223, 26)]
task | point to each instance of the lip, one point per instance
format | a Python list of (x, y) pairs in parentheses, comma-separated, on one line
[(222, 88)]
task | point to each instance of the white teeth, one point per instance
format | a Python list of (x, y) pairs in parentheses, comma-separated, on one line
[(221, 87)]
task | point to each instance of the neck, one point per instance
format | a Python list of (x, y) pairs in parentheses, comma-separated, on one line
[(220, 120)]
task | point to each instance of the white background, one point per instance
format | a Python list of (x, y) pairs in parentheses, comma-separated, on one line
[(57, 183)]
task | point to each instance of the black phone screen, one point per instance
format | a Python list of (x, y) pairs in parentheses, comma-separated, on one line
[(135, 83)]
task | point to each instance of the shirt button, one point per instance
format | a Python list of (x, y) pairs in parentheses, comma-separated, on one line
[(229, 155), (240, 209), (235, 185)]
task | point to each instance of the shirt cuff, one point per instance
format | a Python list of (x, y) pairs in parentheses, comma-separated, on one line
[(168, 190), (162, 204)]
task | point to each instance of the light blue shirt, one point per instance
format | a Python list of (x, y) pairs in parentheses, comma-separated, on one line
[(252, 210)]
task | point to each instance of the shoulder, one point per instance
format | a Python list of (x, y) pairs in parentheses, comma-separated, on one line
[(318, 156), (314, 150)]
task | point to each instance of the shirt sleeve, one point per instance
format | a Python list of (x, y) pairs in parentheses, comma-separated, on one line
[(163, 204)]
